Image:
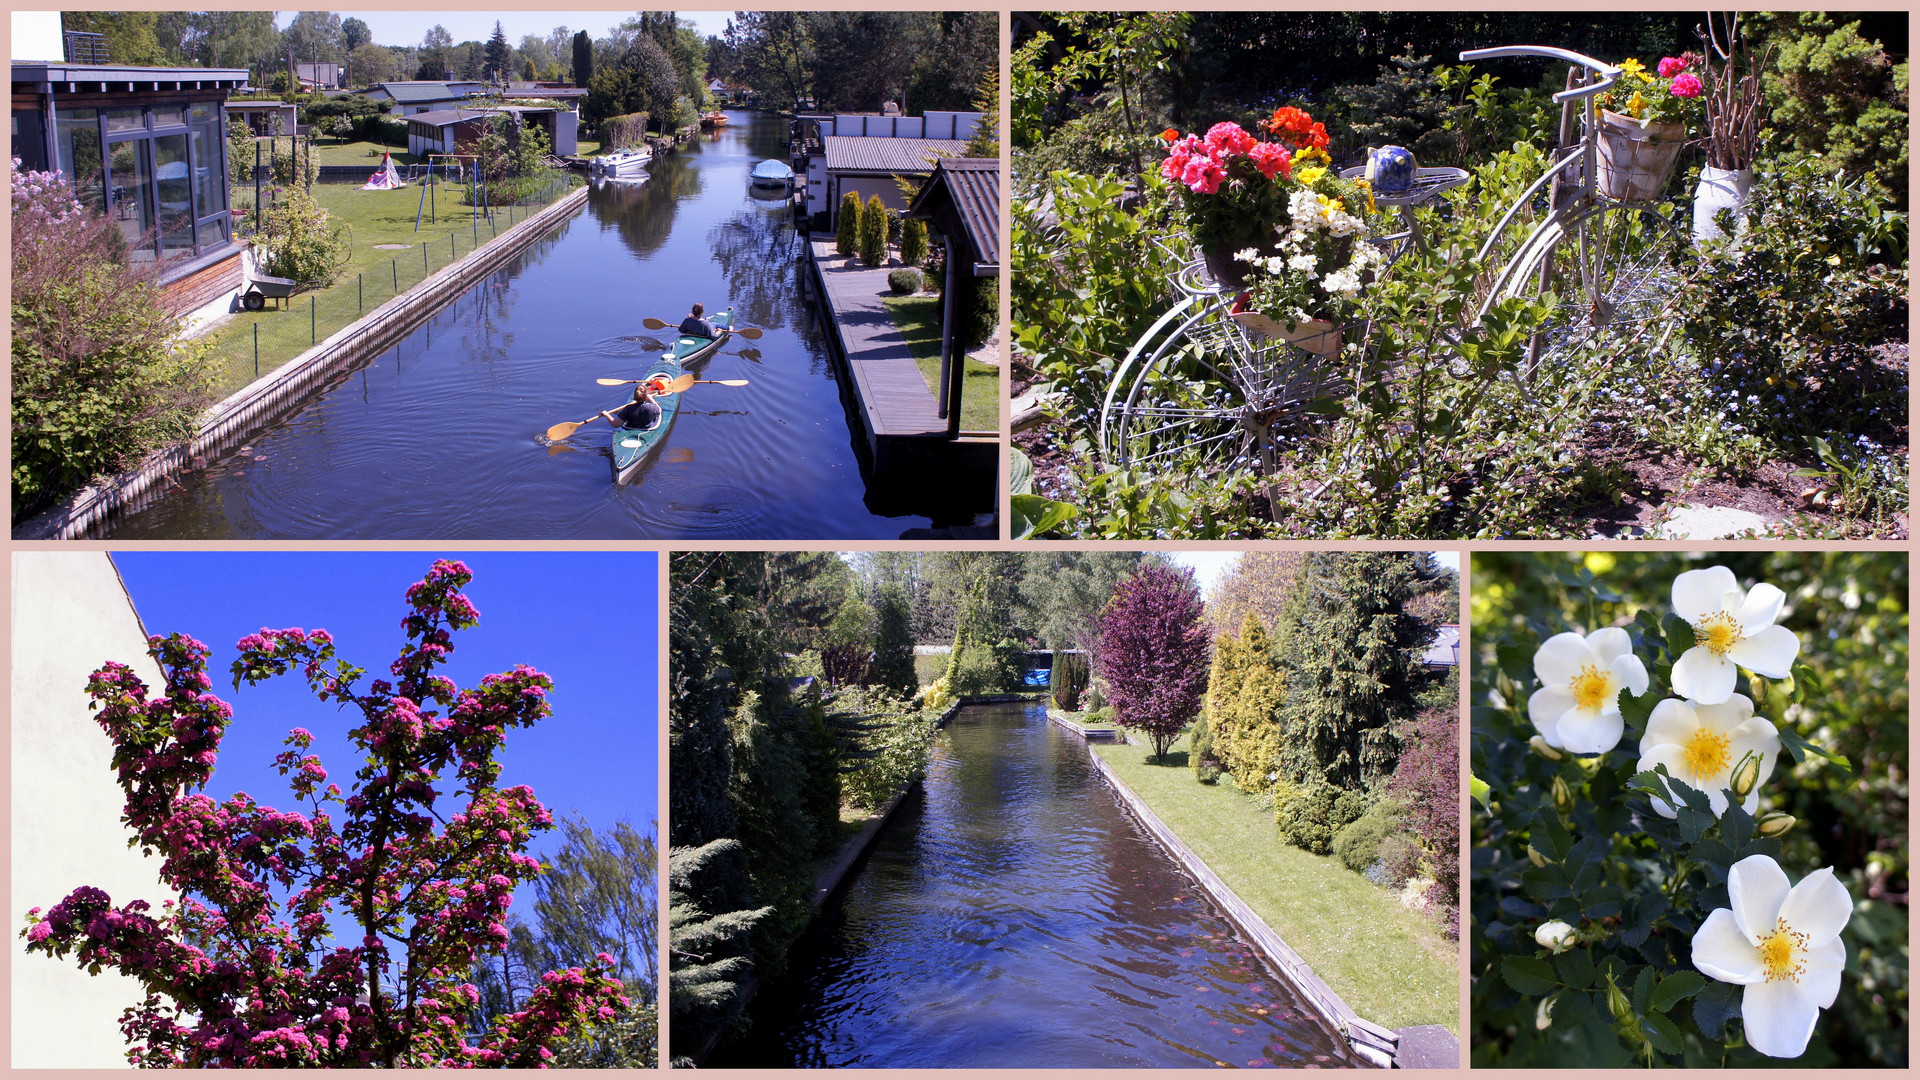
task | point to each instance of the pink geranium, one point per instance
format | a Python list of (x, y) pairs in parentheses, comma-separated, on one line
[(1686, 86), (1672, 65), (1230, 137), (1271, 158)]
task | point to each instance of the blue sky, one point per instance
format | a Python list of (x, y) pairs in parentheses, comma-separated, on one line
[(587, 619), (410, 27)]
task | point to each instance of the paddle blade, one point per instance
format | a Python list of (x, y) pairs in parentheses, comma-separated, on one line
[(751, 333), (653, 324), (723, 382), (681, 383), (561, 431), (616, 382)]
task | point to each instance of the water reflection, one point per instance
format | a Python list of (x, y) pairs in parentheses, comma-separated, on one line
[(1017, 916)]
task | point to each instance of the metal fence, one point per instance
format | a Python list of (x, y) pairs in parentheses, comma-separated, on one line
[(255, 343)]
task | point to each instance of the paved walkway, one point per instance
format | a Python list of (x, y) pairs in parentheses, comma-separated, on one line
[(891, 388)]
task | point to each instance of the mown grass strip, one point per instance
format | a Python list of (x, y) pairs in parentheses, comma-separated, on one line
[(1390, 963), (918, 319)]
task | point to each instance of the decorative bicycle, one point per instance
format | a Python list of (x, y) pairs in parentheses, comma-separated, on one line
[(1202, 392)]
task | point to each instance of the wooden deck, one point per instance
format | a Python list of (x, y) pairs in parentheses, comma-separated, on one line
[(893, 393)]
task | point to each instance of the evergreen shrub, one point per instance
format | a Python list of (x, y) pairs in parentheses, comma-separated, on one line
[(905, 281), (1358, 844), (847, 237), (913, 241), (873, 232)]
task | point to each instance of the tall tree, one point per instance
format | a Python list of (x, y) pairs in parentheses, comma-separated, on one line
[(231, 39), (775, 53), (314, 37), (893, 640), (1153, 653), (130, 34), (863, 58), (434, 50), (374, 64), (499, 55), (1352, 664), (1243, 699), (1259, 583), (354, 33), (582, 58)]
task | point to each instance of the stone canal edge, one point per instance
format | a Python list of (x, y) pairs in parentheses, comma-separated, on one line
[(1378, 1045), (259, 402)]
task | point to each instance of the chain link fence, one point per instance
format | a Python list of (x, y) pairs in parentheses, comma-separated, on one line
[(255, 343)]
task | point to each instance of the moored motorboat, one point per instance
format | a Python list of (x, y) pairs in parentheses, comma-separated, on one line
[(714, 119), (633, 446), (771, 174), (621, 164)]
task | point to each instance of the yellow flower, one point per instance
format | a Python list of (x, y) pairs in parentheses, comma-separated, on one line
[(1307, 155), (1310, 175), (1367, 190), (1637, 106), (1632, 66), (1328, 204)]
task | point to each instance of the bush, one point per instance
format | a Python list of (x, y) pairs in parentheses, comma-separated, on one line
[(293, 239), (904, 281), (686, 115), (846, 237), (623, 132), (913, 241), (890, 749), (1358, 844), (1310, 814), (99, 376), (385, 130), (1426, 781), (1401, 859), (1200, 750), (873, 232), (979, 311), (936, 697), (1835, 94), (1068, 679), (1208, 772), (295, 165)]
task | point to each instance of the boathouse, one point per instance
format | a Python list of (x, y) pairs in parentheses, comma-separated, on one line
[(863, 152), (457, 131), (961, 201), (146, 146)]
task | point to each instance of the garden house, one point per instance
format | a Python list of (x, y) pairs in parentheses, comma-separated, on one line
[(862, 152), (318, 76), (70, 614), (961, 200), (258, 115), (1444, 652), (457, 131), (147, 146), (410, 98)]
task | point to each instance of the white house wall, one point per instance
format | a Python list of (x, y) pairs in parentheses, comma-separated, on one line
[(70, 614)]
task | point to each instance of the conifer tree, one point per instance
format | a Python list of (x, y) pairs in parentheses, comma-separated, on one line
[(846, 237), (1246, 728), (873, 232)]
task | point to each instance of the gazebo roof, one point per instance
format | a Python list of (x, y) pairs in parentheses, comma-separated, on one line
[(963, 196)]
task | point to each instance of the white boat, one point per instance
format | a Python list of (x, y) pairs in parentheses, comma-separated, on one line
[(772, 174), (620, 165)]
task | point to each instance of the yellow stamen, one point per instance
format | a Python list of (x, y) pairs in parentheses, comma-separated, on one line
[(1591, 687), (1783, 953), (1718, 633), (1706, 754)]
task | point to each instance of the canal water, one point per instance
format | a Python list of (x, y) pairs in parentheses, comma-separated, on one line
[(442, 436), (1017, 916)]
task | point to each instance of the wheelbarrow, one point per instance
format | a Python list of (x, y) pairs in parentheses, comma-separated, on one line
[(262, 289)]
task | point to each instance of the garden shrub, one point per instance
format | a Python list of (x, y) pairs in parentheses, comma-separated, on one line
[(240, 154), (1401, 860), (846, 238), (873, 232), (1310, 813), (1834, 94), (1358, 843), (1244, 690), (982, 668), (385, 130), (890, 749), (293, 163), (623, 132), (1068, 679), (913, 241), (294, 239), (686, 115), (99, 373), (1200, 750), (978, 313), (905, 281)]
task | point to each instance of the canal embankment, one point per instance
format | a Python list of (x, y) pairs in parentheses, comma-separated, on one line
[(895, 413), (234, 419), (1393, 986)]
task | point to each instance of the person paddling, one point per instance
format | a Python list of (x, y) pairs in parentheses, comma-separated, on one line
[(640, 414), (697, 325)]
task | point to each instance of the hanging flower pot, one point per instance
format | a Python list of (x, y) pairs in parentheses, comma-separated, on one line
[(1318, 336), (1719, 189), (1224, 268), (1634, 161)]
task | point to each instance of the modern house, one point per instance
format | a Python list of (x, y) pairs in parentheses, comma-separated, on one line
[(146, 146), (410, 98), (863, 152), (457, 131)]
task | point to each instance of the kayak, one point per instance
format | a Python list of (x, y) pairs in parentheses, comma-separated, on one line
[(633, 446)]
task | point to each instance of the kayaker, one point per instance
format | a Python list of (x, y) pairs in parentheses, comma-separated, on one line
[(696, 324), (641, 414)]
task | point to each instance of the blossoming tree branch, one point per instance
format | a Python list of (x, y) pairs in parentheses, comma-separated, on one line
[(422, 856), (1628, 883)]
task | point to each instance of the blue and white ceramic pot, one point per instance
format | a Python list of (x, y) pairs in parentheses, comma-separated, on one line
[(1390, 169)]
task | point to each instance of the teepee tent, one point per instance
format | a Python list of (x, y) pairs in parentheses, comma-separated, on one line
[(385, 178)]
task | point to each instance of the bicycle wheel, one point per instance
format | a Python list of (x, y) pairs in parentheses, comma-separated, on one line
[(1202, 394), (1613, 270)]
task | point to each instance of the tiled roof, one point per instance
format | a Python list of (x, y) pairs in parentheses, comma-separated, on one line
[(864, 153), (972, 185)]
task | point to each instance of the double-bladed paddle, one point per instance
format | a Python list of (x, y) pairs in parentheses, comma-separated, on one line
[(748, 332), (695, 382)]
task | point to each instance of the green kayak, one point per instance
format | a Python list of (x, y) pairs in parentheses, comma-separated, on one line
[(633, 446)]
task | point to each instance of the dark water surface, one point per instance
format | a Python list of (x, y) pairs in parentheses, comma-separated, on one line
[(442, 437), (1018, 916)]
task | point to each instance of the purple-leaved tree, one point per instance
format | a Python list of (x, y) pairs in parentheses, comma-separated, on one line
[(1154, 653)]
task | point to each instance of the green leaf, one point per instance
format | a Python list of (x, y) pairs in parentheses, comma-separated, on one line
[(1679, 635), (1642, 991), (1553, 841), (1529, 975), (1714, 1006), (1676, 988), (1800, 748), (1635, 710), (1034, 514), (1661, 1033), (1022, 473), (1480, 791), (1576, 968)]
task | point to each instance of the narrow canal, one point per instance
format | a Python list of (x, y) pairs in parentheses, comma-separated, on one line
[(442, 436), (1017, 916)]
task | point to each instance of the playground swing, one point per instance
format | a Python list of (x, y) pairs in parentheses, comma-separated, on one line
[(448, 165)]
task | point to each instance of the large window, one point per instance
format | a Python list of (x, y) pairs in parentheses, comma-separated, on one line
[(163, 178)]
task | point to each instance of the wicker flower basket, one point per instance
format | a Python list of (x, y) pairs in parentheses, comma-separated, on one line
[(1634, 162)]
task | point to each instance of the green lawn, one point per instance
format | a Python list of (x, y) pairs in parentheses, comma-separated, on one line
[(1391, 964), (918, 318), (331, 151), (376, 218)]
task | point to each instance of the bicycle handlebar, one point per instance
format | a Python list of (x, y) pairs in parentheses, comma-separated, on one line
[(1608, 72)]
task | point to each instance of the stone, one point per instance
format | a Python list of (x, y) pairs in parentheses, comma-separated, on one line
[(1692, 521), (1428, 1046)]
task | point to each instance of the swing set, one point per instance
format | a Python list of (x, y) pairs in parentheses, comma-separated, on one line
[(450, 166)]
